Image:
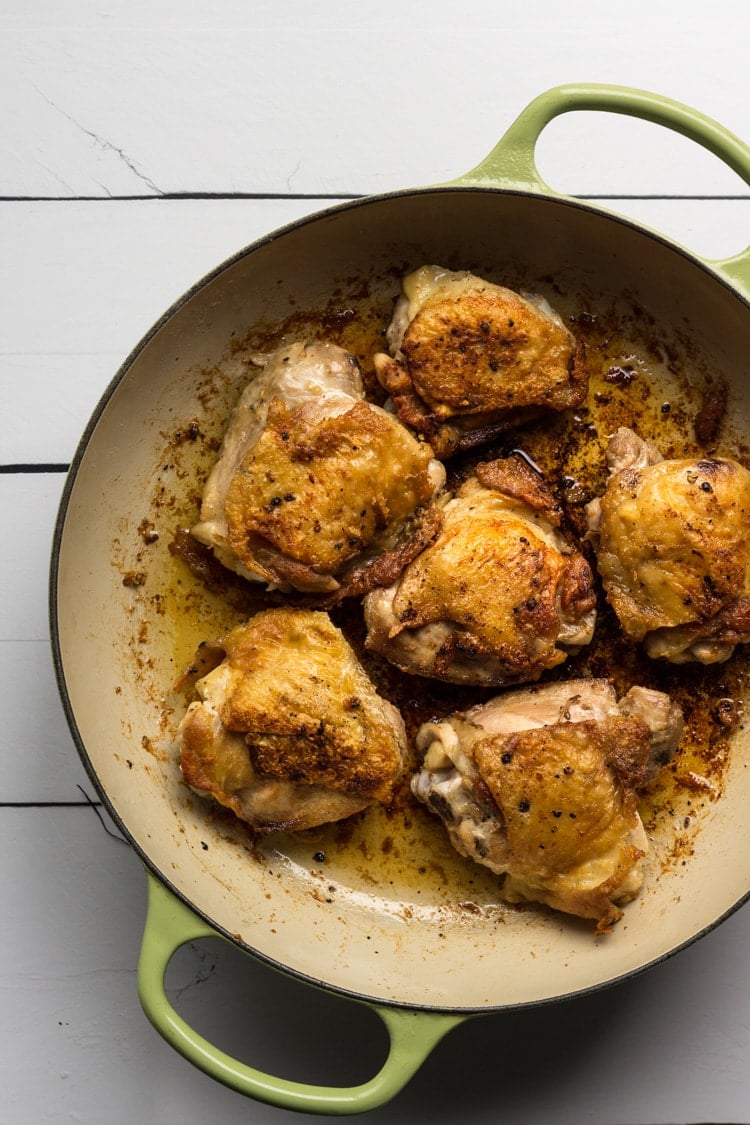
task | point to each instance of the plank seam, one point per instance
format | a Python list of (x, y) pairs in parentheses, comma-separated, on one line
[(341, 196)]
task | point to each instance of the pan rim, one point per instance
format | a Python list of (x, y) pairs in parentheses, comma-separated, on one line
[(56, 548)]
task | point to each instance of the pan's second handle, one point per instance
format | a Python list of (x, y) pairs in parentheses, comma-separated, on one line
[(511, 163), (413, 1034)]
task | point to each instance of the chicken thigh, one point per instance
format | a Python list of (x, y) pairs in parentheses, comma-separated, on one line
[(288, 731), (541, 786), (672, 539), (470, 359), (499, 596), (312, 482)]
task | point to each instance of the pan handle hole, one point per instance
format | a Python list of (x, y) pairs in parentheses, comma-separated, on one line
[(650, 174), (272, 1021)]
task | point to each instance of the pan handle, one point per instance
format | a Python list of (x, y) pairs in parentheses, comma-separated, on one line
[(511, 162), (413, 1034)]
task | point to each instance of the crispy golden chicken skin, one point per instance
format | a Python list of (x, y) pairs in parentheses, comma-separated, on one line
[(313, 482), (470, 359), (541, 786), (672, 539), (499, 596), (289, 732)]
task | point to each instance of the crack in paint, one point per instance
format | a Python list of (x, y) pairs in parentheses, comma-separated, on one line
[(207, 965), (292, 174), (105, 145)]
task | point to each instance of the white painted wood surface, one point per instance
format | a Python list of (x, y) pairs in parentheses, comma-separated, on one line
[(140, 145)]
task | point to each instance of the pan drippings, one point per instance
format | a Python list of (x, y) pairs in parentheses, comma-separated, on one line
[(636, 379)]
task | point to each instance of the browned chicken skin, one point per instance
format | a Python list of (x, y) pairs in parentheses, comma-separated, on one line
[(470, 359), (672, 539), (540, 785), (498, 597), (288, 731), (313, 482)]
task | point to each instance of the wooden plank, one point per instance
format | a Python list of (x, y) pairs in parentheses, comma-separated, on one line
[(83, 282), (30, 501), (93, 277), (96, 276), (41, 764), (351, 104)]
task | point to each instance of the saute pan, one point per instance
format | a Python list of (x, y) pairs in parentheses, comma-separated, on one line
[(398, 929)]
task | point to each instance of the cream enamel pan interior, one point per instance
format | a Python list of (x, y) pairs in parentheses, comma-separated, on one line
[(115, 652)]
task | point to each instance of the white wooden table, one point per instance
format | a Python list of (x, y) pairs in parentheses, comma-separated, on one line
[(141, 144)]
